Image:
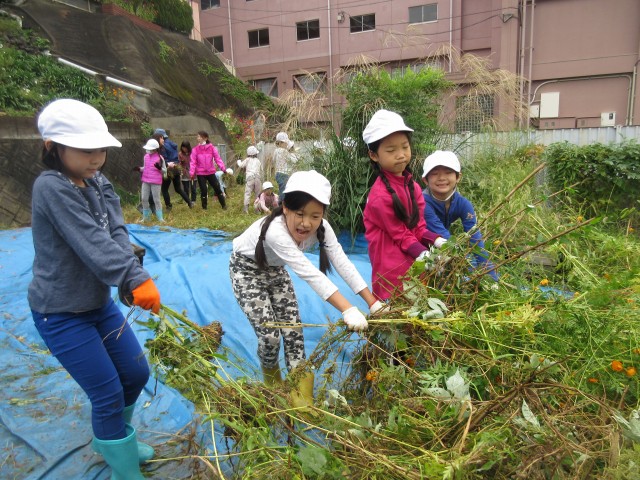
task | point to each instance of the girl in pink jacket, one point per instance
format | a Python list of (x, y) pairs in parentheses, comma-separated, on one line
[(393, 216), (204, 160), (152, 180)]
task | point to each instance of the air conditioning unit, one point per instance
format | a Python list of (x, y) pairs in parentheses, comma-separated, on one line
[(608, 119)]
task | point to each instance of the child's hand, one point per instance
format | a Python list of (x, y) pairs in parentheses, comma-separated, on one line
[(379, 307), (136, 169), (147, 296), (354, 319)]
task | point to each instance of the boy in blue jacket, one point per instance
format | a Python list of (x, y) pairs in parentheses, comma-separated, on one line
[(444, 205)]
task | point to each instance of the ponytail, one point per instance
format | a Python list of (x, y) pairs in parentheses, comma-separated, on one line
[(325, 264), (398, 208), (261, 257)]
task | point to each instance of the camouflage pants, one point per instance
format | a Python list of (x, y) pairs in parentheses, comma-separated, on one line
[(268, 300)]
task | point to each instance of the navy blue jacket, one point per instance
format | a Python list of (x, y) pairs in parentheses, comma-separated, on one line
[(171, 150), (439, 220)]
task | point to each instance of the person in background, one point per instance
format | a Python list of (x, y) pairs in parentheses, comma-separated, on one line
[(283, 162), (169, 151), (152, 173), (263, 287), (204, 159), (393, 216), (253, 175), (220, 176), (82, 249), (267, 200), (444, 204), (184, 158)]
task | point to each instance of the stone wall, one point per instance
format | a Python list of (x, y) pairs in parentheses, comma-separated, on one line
[(20, 162)]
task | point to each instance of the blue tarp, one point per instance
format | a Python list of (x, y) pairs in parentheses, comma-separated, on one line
[(45, 428)]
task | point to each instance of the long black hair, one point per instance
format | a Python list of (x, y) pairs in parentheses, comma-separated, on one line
[(398, 208), (293, 201)]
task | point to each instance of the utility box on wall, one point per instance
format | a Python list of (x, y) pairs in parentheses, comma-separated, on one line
[(608, 119)]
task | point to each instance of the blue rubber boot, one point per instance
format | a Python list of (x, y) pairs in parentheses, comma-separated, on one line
[(160, 215), (146, 214), (145, 452), (121, 455)]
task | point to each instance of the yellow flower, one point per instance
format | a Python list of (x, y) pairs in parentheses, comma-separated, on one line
[(580, 218), (497, 242), (544, 282)]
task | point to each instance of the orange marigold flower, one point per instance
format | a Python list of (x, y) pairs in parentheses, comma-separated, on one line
[(410, 361), (631, 371), (580, 218), (544, 282), (593, 380), (617, 366), (372, 376)]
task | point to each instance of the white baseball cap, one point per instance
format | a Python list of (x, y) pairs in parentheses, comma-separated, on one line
[(252, 151), (310, 182), (266, 185), (75, 124), (282, 137), (152, 144), (383, 123), (441, 158)]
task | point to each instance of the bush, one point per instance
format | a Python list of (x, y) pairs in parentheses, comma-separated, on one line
[(174, 15), (602, 178)]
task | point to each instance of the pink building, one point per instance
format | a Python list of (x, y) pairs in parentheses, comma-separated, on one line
[(579, 58)]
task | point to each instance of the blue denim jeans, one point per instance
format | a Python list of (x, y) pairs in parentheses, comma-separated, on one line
[(101, 353)]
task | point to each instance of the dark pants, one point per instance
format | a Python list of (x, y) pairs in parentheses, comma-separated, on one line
[(189, 187), (213, 181), (177, 186), (101, 353)]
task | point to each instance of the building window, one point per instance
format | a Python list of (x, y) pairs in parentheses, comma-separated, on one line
[(423, 13), (308, 30), (207, 4), (268, 86), (218, 45), (311, 83), (362, 23), (473, 113), (259, 38), (401, 71)]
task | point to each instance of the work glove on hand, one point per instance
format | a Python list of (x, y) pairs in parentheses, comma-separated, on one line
[(229, 171), (354, 319), (424, 256), (158, 165), (147, 296), (379, 306), (136, 169), (439, 242)]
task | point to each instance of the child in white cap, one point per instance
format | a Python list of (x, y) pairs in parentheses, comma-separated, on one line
[(82, 249), (152, 178), (394, 226), (263, 286), (283, 161), (444, 205), (267, 200), (253, 175)]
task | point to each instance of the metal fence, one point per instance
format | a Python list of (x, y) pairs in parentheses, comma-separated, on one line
[(468, 144)]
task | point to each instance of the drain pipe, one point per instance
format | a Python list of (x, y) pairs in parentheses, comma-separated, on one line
[(121, 83)]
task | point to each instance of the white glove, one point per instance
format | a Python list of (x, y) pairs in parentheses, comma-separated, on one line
[(229, 171), (439, 242), (379, 306), (354, 319), (424, 255), (239, 163)]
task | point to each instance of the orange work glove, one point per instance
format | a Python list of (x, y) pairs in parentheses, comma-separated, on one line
[(147, 296)]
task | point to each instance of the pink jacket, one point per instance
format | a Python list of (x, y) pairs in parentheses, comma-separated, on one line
[(202, 160), (151, 174), (393, 247)]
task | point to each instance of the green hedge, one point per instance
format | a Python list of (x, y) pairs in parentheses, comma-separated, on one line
[(606, 177), (174, 15)]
